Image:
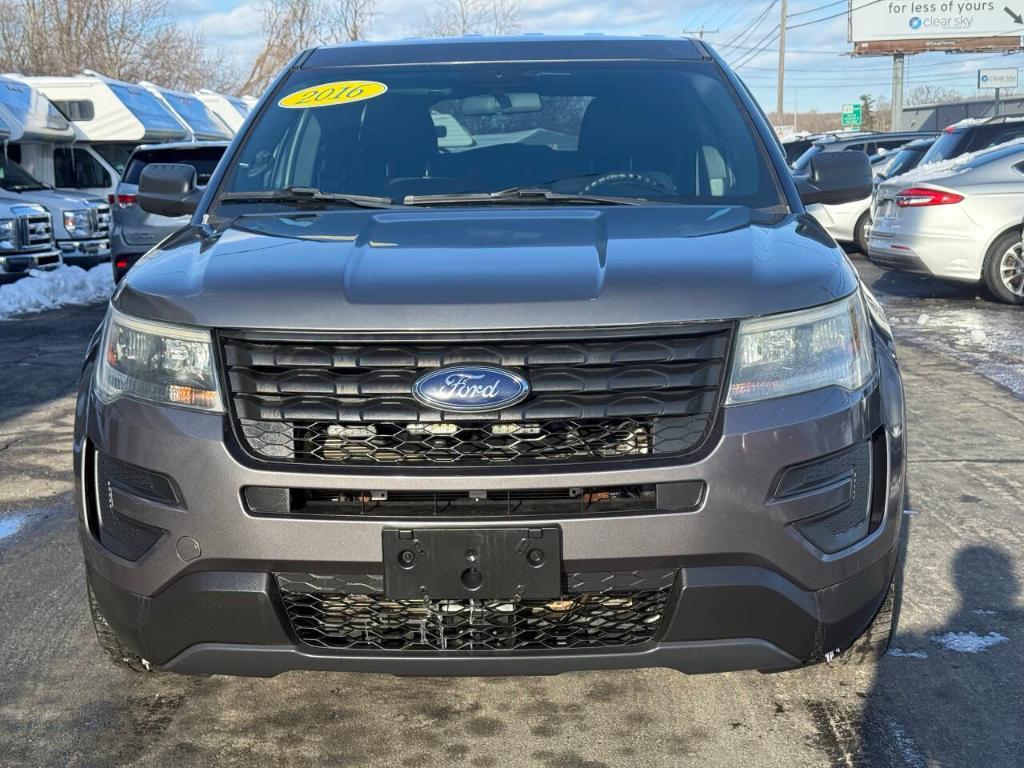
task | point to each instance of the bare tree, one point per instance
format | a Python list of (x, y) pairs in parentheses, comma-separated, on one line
[(932, 94), (451, 18), (292, 25), (127, 39), (347, 20)]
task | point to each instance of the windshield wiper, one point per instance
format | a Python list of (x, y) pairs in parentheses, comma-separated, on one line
[(26, 187), (519, 195), (307, 196)]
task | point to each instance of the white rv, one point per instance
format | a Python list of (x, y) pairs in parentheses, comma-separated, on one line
[(26, 233), (112, 118), (39, 154), (232, 110), (202, 124)]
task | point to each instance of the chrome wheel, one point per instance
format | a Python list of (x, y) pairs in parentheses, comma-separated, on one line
[(1011, 270)]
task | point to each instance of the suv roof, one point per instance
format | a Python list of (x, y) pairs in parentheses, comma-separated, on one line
[(506, 48), (971, 122)]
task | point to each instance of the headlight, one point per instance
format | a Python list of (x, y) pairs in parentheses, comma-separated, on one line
[(161, 363), (7, 230), (800, 351), (77, 223)]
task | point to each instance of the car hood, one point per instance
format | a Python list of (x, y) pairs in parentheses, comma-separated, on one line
[(54, 201), (488, 268)]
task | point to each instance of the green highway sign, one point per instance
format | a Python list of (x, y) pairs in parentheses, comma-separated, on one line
[(851, 115)]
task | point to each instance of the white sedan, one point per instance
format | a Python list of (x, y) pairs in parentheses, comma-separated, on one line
[(957, 220)]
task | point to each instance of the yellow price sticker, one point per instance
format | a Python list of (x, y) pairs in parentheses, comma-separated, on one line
[(328, 94)]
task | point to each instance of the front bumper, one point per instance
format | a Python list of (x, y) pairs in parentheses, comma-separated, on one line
[(750, 591), (20, 264), (85, 253), (840, 221), (922, 247)]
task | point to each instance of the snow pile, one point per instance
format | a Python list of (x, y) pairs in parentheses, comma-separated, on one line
[(43, 290), (968, 642)]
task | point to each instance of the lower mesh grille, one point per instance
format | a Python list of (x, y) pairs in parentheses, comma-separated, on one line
[(597, 610), (473, 442)]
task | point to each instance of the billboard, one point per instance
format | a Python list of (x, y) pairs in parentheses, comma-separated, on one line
[(910, 20)]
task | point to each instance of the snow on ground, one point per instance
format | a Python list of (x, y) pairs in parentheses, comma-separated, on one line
[(968, 642), (43, 290), (900, 653)]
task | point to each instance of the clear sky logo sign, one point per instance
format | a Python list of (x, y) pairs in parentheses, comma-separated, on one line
[(896, 20)]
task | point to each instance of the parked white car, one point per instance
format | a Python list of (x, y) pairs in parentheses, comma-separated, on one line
[(850, 222), (957, 220)]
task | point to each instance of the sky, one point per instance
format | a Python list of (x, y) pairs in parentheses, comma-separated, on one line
[(820, 74)]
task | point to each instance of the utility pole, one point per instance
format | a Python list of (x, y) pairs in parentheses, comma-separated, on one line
[(700, 32), (782, 62), (896, 101)]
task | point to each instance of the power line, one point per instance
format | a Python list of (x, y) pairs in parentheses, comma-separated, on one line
[(762, 46), (744, 33), (834, 15), (738, 11), (819, 8)]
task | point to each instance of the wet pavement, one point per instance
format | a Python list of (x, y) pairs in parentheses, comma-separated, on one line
[(950, 694)]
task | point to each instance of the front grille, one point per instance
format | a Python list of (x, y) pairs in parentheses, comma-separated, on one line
[(597, 610), (35, 231), (100, 220), (347, 403)]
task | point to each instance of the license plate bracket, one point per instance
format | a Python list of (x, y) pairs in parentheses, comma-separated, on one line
[(472, 563)]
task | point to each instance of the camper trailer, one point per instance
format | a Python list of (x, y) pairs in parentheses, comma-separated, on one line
[(26, 233), (110, 118), (39, 154), (231, 110), (202, 124)]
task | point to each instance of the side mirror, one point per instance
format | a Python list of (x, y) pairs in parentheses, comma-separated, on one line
[(169, 189), (833, 178)]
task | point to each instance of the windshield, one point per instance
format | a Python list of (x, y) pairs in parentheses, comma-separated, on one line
[(644, 131), (203, 159), (115, 153), (147, 109), (195, 113), (805, 159), (906, 159), (944, 148), (14, 178)]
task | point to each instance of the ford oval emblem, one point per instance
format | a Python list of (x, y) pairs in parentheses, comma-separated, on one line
[(469, 388)]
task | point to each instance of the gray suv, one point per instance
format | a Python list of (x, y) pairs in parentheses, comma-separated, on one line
[(135, 230), (585, 388)]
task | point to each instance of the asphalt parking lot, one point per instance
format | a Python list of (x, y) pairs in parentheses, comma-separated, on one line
[(951, 693)]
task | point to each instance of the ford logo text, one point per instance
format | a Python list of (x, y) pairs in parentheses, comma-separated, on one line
[(470, 388)]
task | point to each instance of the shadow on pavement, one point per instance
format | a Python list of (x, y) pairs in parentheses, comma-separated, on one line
[(913, 286), (971, 660)]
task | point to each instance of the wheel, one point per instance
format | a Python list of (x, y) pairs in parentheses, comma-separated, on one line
[(860, 232), (870, 647), (1004, 269), (108, 641)]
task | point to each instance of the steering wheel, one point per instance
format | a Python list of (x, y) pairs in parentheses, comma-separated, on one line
[(628, 177)]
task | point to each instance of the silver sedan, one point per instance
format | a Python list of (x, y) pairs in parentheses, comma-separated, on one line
[(958, 220)]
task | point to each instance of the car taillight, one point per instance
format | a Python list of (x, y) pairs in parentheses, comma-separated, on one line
[(124, 201), (920, 197)]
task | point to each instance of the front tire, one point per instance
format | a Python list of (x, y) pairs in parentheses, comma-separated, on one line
[(1004, 269), (860, 232)]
